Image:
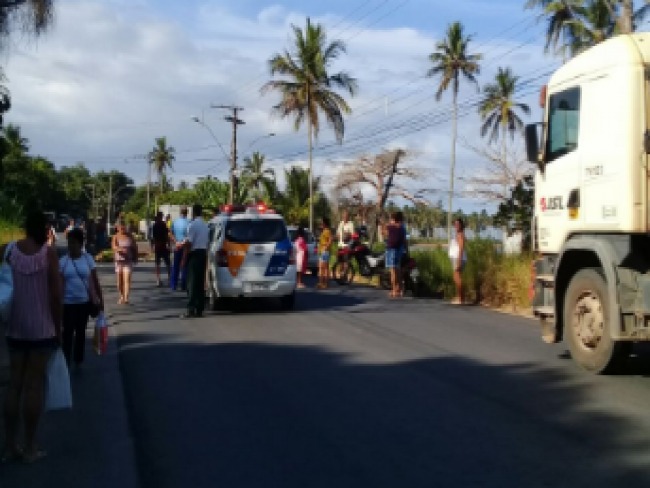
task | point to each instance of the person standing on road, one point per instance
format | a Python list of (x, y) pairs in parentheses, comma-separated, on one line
[(344, 233), (79, 278), (160, 244), (179, 235), (324, 247), (101, 235), (458, 257), (301, 255), (195, 259), (394, 248), (345, 230), (33, 333), (125, 250)]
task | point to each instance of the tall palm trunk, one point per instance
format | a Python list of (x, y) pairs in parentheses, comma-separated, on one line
[(454, 135), (504, 155), (626, 19), (310, 130)]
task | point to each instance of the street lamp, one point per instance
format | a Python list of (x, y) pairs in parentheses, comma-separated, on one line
[(270, 134), (207, 127)]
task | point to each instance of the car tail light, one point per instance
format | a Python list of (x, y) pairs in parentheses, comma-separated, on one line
[(222, 258)]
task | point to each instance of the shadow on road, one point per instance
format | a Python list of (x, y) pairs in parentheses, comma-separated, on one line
[(253, 415)]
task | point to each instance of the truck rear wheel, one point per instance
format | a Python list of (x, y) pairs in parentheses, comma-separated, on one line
[(586, 324)]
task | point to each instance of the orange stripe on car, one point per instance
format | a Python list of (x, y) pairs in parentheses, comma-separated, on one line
[(236, 253)]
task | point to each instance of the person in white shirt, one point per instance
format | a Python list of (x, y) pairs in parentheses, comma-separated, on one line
[(80, 286), (345, 230), (344, 237), (195, 258)]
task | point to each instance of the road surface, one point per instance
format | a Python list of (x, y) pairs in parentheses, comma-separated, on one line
[(355, 390)]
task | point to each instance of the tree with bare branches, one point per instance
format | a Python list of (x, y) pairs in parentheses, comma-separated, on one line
[(382, 177), (502, 172)]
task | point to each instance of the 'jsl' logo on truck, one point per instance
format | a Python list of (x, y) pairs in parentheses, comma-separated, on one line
[(552, 203)]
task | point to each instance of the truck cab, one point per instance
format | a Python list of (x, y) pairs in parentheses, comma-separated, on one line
[(591, 219)]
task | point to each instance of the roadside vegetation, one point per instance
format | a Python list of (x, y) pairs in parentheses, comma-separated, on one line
[(490, 278)]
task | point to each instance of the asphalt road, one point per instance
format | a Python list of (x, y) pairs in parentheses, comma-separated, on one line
[(355, 390)]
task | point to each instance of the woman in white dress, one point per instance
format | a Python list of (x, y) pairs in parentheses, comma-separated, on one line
[(458, 257)]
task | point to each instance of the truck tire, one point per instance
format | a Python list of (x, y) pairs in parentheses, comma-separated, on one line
[(586, 326)]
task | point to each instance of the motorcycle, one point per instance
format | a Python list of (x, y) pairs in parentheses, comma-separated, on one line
[(410, 277), (368, 263)]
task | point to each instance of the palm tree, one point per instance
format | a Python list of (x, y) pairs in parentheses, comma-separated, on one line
[(33, 17), (583, 23), (5, 97), (161, 157), (451, 60), (562, 17), (256, 175), (13, 149), (16, 145), (296, 198), (498, 109), (308, 87)]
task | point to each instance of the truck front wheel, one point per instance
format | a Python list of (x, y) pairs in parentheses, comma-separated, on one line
[(586, 324)]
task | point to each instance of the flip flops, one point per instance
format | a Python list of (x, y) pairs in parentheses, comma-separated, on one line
[(34, 457)]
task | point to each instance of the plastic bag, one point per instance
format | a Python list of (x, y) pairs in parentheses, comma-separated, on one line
[(6, 285), (100, 339), (58, 394)]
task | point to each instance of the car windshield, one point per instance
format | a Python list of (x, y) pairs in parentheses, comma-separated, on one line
[(256, 231)]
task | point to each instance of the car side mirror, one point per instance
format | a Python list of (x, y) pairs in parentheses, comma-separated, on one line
[(532, 143)]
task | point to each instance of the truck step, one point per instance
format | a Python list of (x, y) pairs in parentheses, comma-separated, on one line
[(545, 277), (545, 311)]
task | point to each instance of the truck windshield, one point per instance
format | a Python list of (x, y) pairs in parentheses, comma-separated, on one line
[(256, 231), (563, 123)]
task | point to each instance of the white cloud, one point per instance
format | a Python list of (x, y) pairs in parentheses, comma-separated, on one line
[(101, 86)]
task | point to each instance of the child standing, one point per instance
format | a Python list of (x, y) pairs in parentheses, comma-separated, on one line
[(301, 255)]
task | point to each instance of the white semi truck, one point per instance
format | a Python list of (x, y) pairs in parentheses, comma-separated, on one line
[(591, 226)]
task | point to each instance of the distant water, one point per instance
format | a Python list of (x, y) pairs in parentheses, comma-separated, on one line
[(440, 233)]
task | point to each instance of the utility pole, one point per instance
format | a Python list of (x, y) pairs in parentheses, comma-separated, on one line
[(110, 198), (235, 121)]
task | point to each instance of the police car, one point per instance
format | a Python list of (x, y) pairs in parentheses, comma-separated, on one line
[(250, 256)]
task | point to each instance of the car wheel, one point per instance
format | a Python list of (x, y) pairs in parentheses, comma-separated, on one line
[(288, 302), (214, 302)]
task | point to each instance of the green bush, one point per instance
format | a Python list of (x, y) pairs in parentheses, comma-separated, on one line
[(435, 272), (9, 232), (489, 277)]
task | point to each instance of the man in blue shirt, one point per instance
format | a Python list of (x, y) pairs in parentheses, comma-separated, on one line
[(179, 236)]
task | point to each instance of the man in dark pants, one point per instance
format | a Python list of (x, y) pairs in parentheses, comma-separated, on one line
[(195, 258)]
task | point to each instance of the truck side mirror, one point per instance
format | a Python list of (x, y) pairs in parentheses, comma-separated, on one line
[(532, 143)]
